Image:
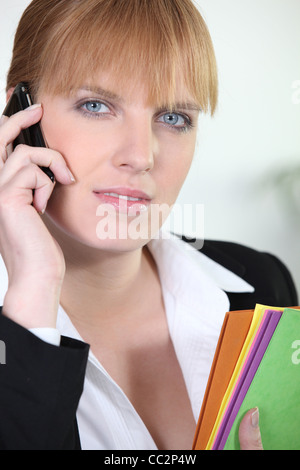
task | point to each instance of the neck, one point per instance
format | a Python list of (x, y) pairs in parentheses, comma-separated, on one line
[(102, 286)]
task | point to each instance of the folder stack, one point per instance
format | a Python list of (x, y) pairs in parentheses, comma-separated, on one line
[(256, 364)]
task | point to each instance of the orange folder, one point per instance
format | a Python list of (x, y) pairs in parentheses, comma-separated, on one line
[(232, 337)]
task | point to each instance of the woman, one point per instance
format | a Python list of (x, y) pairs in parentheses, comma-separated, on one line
[(121, 86)]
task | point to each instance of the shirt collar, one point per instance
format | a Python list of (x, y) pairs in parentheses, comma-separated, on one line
[(222, 277)]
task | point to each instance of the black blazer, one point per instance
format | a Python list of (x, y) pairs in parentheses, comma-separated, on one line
[(40, 384)]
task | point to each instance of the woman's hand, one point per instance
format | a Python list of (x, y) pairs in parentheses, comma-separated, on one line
[(34, 261), (249, 432)]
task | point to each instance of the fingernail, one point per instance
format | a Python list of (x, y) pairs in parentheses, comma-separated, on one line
[(42, 212), (255, 418), (34, 106), (71, 176)]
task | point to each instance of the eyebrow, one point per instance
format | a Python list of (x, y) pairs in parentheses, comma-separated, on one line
[(107, 94), (102, 92), (185, 105)]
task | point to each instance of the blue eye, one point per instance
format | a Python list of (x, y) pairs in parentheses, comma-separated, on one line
[(173, 119), (95, 107), (176, 121)]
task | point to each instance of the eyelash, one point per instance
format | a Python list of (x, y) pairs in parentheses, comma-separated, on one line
[(90, 114), (188, 123)]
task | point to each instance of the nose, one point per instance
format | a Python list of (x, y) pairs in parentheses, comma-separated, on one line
[(136, 147)]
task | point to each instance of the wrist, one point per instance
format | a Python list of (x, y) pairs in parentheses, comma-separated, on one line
[(32, 305)]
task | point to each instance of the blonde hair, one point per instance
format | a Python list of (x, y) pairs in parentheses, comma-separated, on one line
[(59, 44)]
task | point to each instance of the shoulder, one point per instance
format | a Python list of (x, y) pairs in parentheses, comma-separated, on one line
[(271, 280)]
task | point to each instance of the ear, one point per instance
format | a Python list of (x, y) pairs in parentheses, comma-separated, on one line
[(9, 93)]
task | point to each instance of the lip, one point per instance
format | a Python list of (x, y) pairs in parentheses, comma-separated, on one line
[(124, 200)]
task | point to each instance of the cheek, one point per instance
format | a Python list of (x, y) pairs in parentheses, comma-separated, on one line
[(173, 170), (71, 141)]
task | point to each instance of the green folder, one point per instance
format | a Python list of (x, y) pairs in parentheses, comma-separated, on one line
[(275, 390)]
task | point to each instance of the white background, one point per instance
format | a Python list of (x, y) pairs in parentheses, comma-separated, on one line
[(254, 139)]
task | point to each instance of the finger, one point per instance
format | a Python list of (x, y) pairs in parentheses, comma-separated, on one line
[(3, 146), (11, 127), (43, 190), (18, 191), (25, 155), (249, 432)]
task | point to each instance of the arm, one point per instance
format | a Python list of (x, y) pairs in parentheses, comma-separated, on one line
[(40, 387), (40, 384)]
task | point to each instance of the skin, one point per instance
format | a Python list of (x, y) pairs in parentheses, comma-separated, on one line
[(148, 155), (153, 152)]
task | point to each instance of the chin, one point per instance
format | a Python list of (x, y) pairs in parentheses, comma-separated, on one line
[(99, 234), (101, 227)]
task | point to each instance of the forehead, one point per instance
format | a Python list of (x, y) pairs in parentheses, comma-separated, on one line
[(133, 90)]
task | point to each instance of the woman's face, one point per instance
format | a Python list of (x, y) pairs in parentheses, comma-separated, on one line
[(129, 160)]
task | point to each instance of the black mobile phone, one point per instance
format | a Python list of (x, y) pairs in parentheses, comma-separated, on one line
[(33, 136)]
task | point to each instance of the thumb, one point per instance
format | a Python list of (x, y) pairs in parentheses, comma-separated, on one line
[(249, 432)]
